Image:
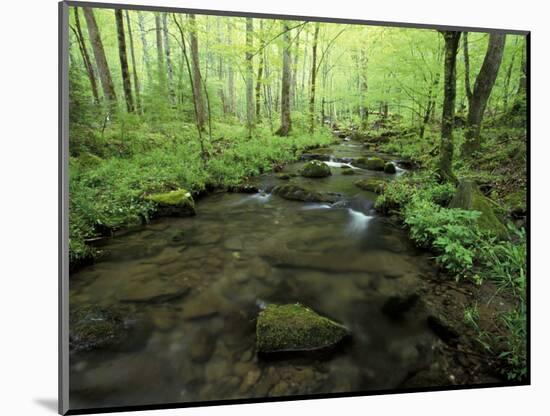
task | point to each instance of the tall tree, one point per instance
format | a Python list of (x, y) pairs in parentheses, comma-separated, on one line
[(259, 79), (286, 124), (313, 79), (169, 66), (126, 83), (466, 54), (160, 53), (134, 66), (145, 46), (86, 57), (482, 91), (100, 58), (250, 112), (197, 78), (445, 166), (230, 73)]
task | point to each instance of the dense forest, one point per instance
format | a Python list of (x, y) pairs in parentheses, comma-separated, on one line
[(163, 102)]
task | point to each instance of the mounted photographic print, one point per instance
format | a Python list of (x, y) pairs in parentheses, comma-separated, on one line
[(259, 208)]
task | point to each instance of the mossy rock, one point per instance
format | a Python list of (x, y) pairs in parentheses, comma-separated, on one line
[(517, 203), (348, 172), (315, 169), (370, 163), (468, 196), (89, 160), (177, 203), (91, 327), (294, 192), (294, 327), (389, 168), (371, 184)]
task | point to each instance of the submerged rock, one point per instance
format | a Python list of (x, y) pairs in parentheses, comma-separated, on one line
[(285, 176), (375, 185), (468, 196), (315, 169), (389, 168), (396, 306), (297, 193), (177, 203), (370, 163), (244, 189), (295, 327), (92, 327)]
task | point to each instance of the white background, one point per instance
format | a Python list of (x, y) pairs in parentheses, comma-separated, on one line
[(28, 204)]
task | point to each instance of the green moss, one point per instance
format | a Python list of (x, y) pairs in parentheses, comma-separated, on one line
[(315, 169), (348, 172), (371, 184), (370, 163), (294, 192), (89, 160), (174, 203), (469, 197), (517, 202), (295, 328)]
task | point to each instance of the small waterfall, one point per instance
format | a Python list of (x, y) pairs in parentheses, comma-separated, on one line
[(359, 221), (333, 164), (260, 197)]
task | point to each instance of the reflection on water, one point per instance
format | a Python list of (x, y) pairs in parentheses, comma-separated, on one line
[(239, 253)]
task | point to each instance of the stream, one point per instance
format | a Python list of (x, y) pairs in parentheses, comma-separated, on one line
[(192, 288)]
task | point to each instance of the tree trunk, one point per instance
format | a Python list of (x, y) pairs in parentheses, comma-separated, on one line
[(169, 66), (126, 83), (146, 58), (482, 91), (197, 78), (445, 166), (313, 79), (133, 56), (230, 74), (99, 54), (249, 77), (160, 54), (467, 86), (86, 57), (286, 125), (260, 74)]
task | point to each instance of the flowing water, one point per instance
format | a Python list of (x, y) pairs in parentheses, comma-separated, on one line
[(195, 286)]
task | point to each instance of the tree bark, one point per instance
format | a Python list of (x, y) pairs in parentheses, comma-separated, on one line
[(249, 77), (86, 57), (286, 124), (445, 166), (482, 91), (465, 52), (313, 79), (146, 58), (169, 66), (160, 53), (197, 78), (126, 83), (259, 78), (230, 74), (133, 57), (99, 54)]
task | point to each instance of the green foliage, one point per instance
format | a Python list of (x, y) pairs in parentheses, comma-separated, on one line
[(515, 348)]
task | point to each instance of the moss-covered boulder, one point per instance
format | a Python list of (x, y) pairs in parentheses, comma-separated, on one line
[(89, 160), (370, 163), (315, 169), (177, 203), (295, 192), (389, 168), (295, 327), (468, 196), (375, 185), (348, 172)]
